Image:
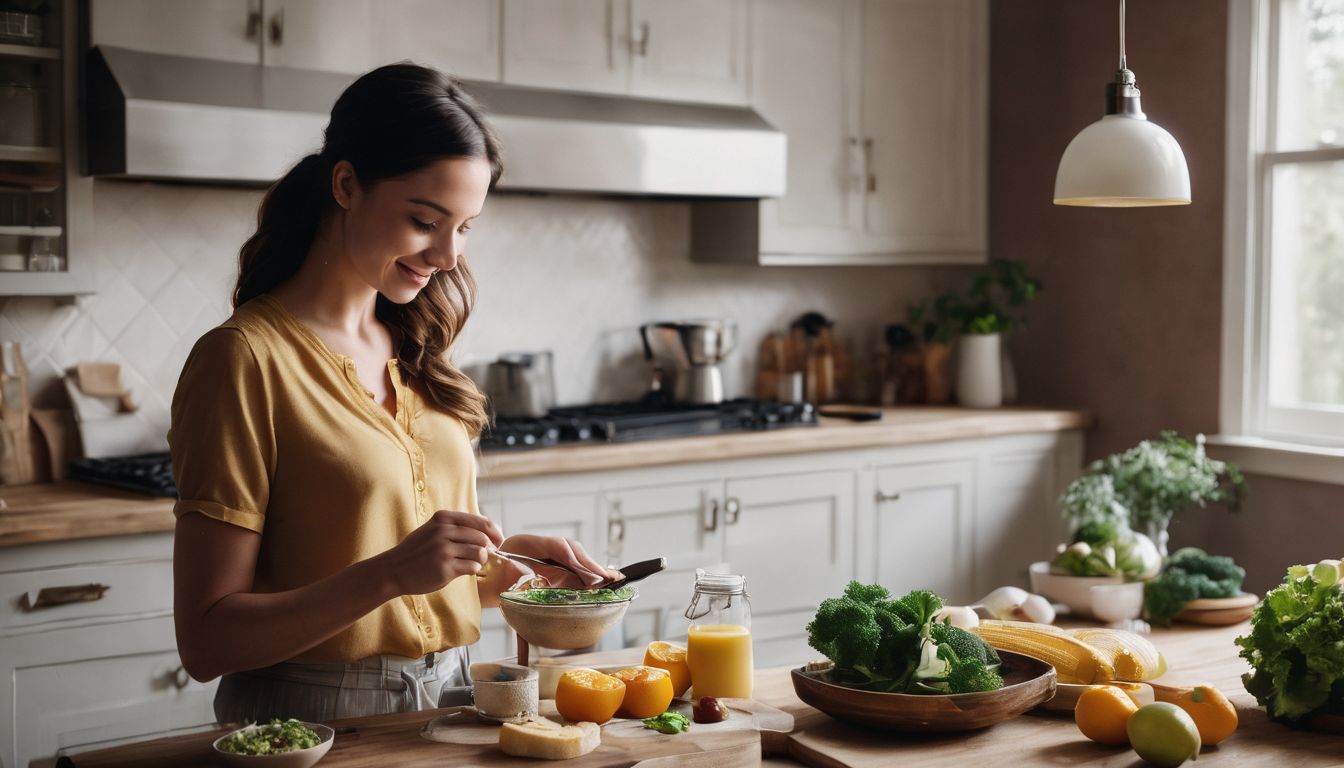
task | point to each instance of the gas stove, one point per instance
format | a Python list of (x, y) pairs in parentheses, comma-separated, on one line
[(643, 420)]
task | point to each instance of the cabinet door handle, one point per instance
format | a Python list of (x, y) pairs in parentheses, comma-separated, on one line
[(868, 164), (712, 524), (732, 511), (50, 597), (253, 30), (180, 678), (616, 524), (640, 45), (278, 27), (882, 498), (857, 165)]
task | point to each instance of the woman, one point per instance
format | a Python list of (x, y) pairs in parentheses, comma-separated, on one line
[(327, 543)]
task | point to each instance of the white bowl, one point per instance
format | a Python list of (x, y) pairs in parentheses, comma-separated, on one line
[(1073, 591), (299, 758), (1117, 602)]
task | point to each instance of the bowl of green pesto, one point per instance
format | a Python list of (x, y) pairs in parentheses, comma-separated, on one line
[(564, 619), (278, 744)]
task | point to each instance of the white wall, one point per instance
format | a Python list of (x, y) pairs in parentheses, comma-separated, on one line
[(570, 274)]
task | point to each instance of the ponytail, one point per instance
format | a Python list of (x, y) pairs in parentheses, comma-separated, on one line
[(286, 225)]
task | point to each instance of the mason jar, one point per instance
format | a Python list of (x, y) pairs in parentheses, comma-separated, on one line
[(718, 639)]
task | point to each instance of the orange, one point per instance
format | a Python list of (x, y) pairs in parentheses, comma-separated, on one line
[(648, 691), (672, 658), (1214, 715), (1102, 712), (588, 696)]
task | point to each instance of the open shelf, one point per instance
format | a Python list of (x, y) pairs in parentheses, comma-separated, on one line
[(46, 284), (30, 154), (31, 231), (9, 50)]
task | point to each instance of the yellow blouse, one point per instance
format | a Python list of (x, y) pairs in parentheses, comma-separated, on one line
[(273, 432)]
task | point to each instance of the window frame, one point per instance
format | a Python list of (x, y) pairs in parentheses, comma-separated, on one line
[(1261, 437)]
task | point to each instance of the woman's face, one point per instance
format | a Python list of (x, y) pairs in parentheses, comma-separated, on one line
[(398, 232)]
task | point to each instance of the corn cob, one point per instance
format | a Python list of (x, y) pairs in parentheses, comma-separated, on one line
[(1074, 660), (1133, 657)]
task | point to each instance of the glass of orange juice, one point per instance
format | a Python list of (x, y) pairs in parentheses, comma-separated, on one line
[(718, 641)]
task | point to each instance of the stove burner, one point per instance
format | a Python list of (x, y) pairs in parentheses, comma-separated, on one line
[(148, 473), (643, 420)]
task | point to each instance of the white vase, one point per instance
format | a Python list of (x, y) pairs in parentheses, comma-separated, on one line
[(979, 371)]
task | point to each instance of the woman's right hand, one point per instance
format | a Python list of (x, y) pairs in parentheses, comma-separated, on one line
[(448, 545)]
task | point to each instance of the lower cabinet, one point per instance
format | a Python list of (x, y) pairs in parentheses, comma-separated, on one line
[(92, 674), (958, 518)]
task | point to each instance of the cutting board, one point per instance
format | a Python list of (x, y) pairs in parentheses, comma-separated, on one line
[(385, 740)]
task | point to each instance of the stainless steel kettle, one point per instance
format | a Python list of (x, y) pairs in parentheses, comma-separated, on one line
[(689, 353)]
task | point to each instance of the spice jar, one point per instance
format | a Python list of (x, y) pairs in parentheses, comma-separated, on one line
[(718, 640)]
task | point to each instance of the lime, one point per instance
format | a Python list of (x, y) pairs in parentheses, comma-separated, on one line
[(1163, 734)]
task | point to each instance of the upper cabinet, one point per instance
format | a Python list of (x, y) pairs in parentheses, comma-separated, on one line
[(348, 36), (696, 50), (457, 36), (885, 106)]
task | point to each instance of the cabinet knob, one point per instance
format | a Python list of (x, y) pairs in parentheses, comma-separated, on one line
[(180, 678), (732, 511), (640, 45), (881, 497), (253, 23)]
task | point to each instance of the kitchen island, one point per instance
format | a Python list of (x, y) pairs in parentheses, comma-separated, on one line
[(1195, 655)]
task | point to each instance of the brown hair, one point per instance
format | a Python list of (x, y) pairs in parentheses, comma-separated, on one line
[(390, 122)]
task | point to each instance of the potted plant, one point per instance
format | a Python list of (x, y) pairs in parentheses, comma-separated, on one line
[(1144, 487), (988, 311)]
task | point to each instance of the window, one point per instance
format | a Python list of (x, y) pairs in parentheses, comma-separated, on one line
[(1284, 292)]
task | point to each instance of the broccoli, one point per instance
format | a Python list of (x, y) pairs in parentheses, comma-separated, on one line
[(1097, 533), (875, 642), (1190, 574)]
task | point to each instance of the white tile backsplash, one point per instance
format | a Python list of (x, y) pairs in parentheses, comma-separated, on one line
[(574, 275)]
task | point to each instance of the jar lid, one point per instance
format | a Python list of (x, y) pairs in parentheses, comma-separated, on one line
[(719, 583)]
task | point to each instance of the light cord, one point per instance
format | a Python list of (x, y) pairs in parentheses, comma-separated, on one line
[(1123, 64)]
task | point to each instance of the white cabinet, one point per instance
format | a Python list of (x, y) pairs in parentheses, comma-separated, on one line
[(332, 35), (792, 535), (460, 37), (885, 103), (919, 534), (690, 51), (89, 674), (956, 517), (230, 30)]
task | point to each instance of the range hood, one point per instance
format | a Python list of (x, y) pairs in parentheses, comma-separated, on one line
[(155, 116)]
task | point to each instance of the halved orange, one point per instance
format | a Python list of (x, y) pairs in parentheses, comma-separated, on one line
[(672, 658), (648, 691), (588, 696), (1102, 713)]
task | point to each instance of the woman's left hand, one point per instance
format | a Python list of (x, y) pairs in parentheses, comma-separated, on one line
[(561, 550)]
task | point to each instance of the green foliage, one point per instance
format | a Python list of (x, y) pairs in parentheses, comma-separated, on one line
[(1108, 548), (991, 303), (1146, 485), (1296, 647), (668, 722), (1190, 574), (875, 642)]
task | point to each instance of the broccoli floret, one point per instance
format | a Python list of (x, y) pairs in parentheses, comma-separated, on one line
[(972, 676), (870, 594), (967, 645), (1190, 574), (917, 607), (845, 631)]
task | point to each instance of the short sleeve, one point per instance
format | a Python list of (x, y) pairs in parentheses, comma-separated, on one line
[(222, 435)]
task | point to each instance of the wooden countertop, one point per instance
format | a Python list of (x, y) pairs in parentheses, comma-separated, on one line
[(1196, 655), (898, 426), (73, 510)]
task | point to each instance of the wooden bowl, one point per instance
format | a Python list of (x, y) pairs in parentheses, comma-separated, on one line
[(1027, 682), (1219, 611)]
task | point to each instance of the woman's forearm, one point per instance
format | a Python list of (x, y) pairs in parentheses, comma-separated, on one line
[(251, 630)]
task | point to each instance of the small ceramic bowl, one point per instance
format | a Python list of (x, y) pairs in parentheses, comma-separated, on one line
[(1073, 591), (299, 758), (1117, 603), (504, 692)]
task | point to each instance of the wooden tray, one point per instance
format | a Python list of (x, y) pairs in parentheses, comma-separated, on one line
[(1219, 611), (1027, 683)]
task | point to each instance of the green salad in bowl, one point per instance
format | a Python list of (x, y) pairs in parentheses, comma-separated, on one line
[(552, 596), (564, 619), (280, 743)]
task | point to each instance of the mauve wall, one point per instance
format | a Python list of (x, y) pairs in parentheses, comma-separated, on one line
[(1129, 325)]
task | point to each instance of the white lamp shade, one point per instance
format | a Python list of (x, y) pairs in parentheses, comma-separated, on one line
[(1122, 161)]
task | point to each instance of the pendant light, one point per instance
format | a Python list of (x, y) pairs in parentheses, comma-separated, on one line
[(1122, 160)]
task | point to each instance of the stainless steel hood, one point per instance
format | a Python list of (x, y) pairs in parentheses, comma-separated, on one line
[(172, 117)]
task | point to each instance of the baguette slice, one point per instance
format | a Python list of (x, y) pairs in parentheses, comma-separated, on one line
[(548, 740)]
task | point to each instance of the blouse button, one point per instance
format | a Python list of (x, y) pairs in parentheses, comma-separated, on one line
[(419, 485)]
